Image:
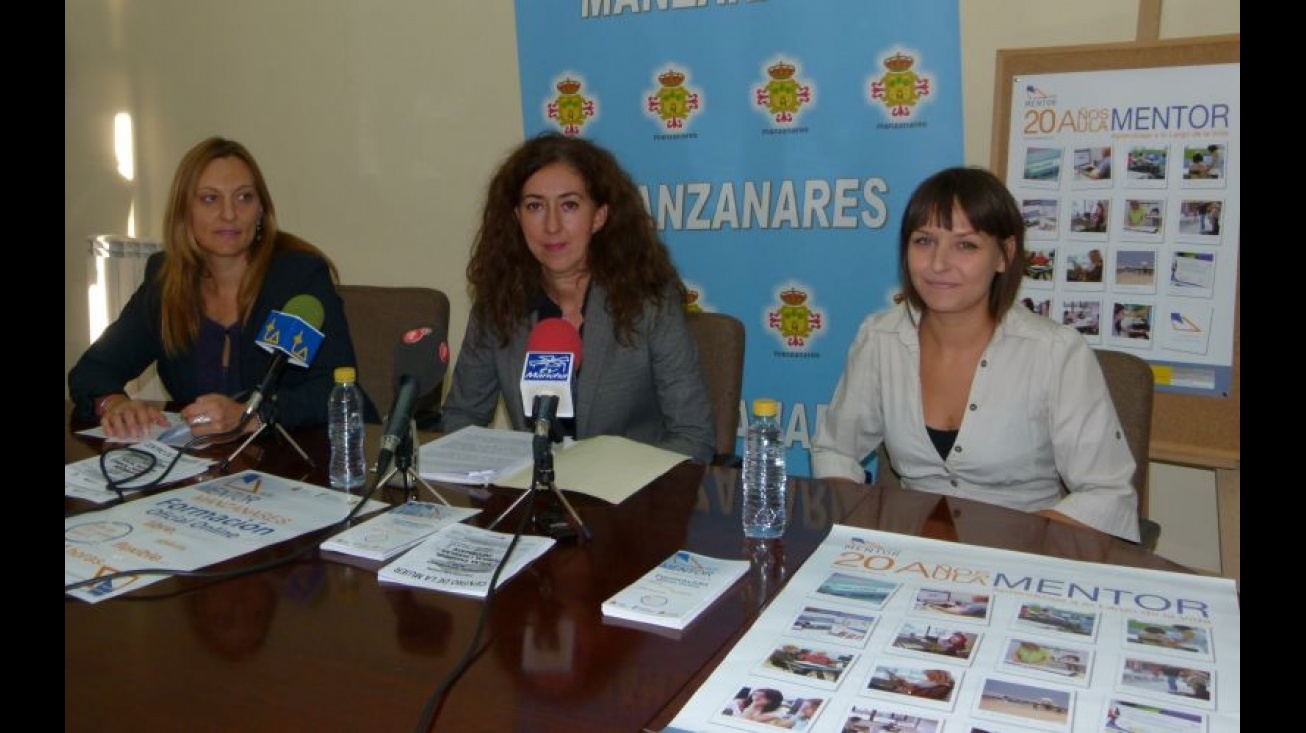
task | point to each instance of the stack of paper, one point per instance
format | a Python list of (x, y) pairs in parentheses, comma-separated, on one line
[(672, 594), (461, 559), (475, 455), (607, 467), (389, 534)]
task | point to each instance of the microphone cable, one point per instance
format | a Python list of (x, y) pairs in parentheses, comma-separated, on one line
[(433, 703), (150, 461), (195, 442)]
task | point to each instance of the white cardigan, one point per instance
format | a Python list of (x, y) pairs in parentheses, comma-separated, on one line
[(1040, 430)]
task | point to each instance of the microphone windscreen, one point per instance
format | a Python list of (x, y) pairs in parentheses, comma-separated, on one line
[(423, 354), (555, 334), (307, 308)]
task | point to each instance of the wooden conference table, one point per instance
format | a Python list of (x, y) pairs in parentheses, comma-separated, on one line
[(320, 645)]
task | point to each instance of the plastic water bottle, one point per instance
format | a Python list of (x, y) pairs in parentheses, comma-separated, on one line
[(766, 562), (763, 476), (348, 470)]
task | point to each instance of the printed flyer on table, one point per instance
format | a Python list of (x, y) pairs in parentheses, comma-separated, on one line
[(886, 632), (193, 527)]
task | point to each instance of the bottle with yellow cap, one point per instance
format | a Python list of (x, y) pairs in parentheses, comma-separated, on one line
[(763, 477), (347, 470)]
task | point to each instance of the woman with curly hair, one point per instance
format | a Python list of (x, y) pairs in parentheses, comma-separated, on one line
[(565, 234), (225, 266)]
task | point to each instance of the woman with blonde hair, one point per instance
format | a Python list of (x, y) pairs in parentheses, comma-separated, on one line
[(225, 266)]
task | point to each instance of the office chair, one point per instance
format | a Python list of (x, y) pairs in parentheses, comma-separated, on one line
[(378, 316), (1129, 381), (720, 339)]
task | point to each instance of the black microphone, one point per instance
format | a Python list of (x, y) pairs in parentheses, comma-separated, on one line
[(292, 335), (544, 411), (421, 357), (545, 433)]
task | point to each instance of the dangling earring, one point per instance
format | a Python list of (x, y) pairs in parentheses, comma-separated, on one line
[(258, 232)]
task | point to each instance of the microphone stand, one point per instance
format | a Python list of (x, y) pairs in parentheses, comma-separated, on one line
[(543, 478), (267, 414), (405, 462)]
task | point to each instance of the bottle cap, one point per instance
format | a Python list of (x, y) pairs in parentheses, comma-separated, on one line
[(766, 407), (346, 374)]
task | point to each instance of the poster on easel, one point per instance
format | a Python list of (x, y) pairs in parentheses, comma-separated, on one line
[(1129, 181)]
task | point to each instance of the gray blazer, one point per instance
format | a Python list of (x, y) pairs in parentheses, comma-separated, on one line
[(651, 391)]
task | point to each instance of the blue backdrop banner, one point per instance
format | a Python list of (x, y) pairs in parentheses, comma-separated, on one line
[(775, 141)]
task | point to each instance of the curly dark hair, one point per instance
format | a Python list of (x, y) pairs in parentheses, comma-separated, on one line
[(625, 256)]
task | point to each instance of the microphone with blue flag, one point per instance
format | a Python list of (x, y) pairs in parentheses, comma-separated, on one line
[(290, 335)]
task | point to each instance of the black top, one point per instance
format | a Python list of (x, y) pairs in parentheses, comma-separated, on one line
[(942, 440), (135, 341), (211, 375)]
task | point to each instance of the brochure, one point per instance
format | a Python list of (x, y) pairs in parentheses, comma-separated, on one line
[(139, 465), (461, 559), (391, 533), (176, 434), (676, 591), (193, 527), (607, 467)]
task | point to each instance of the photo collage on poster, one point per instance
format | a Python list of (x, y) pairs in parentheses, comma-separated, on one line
[(865, 654), (1124, 239)]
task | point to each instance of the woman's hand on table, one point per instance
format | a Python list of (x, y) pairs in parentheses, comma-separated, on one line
[(123, 417), (216, 413)]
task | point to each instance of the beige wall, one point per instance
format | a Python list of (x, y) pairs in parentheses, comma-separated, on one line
[(378, 123)]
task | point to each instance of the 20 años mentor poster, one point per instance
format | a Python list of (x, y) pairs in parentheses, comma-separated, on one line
[(1130, 182)]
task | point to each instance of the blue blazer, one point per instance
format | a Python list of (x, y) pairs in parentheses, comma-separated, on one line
[(135, 340), (651, 391)]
